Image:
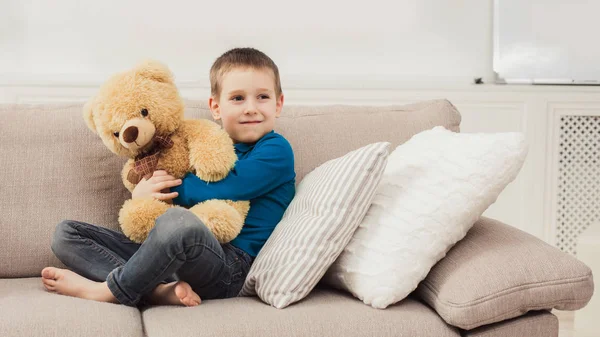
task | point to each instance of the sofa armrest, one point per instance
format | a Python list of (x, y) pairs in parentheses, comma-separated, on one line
[(499, 272)]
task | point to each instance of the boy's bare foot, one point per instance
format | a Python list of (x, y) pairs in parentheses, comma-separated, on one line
[(175, 293), (66, 282)]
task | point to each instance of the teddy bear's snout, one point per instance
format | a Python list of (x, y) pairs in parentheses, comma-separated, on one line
[(136, 134), (130, 134)]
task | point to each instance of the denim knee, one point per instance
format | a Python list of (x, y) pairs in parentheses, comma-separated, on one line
[(63, 232), (176, 224)]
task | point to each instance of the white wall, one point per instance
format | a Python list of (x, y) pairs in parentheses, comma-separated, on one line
[(320, 42)]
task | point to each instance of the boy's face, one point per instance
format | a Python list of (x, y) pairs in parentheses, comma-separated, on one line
[(247, 106)]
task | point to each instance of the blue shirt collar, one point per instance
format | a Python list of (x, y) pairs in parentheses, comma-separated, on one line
[(245, 147)]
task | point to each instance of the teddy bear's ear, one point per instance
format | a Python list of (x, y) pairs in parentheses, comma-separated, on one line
[(154, 70), (88, 115)]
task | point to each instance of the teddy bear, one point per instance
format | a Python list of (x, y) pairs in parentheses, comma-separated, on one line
[(139, 114)]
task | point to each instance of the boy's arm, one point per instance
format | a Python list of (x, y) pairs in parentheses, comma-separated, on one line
[(269, 165)]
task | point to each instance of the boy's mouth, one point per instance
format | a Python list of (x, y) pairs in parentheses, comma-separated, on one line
[(251, 122)]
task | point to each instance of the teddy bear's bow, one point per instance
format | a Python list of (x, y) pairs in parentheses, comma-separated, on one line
[(145, 164)]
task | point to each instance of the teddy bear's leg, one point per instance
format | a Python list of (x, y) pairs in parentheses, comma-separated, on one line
[(223, 220), (138, 215)]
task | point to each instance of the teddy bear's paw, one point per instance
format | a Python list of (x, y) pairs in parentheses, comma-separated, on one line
[(223, 220), (211, 176), (137, 217), (243, 207), (127, 168)]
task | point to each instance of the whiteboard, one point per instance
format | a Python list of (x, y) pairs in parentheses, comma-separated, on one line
[(547, 41)]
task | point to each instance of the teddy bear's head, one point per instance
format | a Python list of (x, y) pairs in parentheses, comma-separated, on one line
[(134, 107)]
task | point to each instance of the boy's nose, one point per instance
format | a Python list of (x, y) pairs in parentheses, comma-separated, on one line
[(250, 110), (250, 107)]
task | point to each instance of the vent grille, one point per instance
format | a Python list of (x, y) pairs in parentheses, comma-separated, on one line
[(578, 195)]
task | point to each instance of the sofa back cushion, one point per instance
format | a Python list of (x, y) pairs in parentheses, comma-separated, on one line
[(54, 168), (320, 133)]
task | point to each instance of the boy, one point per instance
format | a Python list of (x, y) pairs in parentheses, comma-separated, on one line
[(181, 262)]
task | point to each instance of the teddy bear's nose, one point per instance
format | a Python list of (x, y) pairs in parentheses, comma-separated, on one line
[(130, 134)]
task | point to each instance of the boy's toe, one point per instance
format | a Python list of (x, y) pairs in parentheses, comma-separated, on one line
[(49, 284), (49, 273), (48, 281), (190, 302)]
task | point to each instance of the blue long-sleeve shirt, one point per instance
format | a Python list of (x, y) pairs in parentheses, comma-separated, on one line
[(263, 174)]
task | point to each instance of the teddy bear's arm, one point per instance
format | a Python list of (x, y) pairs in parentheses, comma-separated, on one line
[(124, 174), (212, 154)]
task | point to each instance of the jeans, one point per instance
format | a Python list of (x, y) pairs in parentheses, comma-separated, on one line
[(179, 247)]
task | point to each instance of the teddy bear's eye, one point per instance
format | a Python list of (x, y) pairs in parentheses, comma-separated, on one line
[(116, 134), (144, 112)]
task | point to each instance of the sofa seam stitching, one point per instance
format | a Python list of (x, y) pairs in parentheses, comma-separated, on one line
[(508, 291)]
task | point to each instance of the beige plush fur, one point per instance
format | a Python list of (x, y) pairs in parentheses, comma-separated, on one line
[(200, 146)]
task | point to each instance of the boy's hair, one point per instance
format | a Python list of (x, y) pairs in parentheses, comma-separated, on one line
[(241, 58)]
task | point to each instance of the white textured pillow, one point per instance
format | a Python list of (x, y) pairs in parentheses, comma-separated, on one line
[(434, 188), (330, 203)]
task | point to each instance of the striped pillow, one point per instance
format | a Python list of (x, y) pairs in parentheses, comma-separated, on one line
[(330, 203)]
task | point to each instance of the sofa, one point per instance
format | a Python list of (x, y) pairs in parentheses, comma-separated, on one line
[(497, 281)]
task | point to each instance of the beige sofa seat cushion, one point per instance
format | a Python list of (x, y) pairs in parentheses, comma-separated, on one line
[(532, 324), (499, 272), (28, 310), (324, 313)]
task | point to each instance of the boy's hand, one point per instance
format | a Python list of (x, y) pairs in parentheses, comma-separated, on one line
[(158, 186)]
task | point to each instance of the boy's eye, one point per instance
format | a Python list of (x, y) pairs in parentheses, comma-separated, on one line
[(237, 98), (264, 96)]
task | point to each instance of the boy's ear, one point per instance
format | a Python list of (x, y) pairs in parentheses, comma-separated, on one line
[(279, 106), (88, 115), (215, 109)]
